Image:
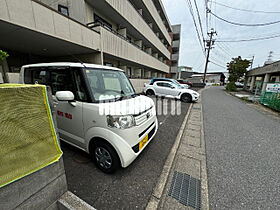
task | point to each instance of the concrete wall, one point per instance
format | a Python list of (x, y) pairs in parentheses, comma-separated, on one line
[(125, 9), (13, 77), (34, 16), (114, 45), (138, 84), (38, 190), (76, 8)]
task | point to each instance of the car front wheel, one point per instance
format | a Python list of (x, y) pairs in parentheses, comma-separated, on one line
[(187, 98), (150, 93), (105, 157)]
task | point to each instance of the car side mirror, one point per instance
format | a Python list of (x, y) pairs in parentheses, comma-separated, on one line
[(64, 96)]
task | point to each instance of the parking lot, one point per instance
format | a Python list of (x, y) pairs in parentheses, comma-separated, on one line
[(128, 188)]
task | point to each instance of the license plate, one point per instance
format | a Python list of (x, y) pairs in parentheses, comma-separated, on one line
[(143, 142)]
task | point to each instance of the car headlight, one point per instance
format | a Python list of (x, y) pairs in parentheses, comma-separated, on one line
[(121, 122)]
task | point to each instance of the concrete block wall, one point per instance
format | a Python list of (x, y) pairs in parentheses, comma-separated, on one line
[(38, 190), (138, 84)]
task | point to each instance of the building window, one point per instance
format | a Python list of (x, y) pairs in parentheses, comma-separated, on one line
[(63, 10)]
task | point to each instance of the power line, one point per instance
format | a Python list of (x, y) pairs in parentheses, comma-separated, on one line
[(221, 55), (246, 10), (217, 64), (206, 12), (252, 39), (196, 28), (223, 49), (217, 60), (243, 24), (199, 19)]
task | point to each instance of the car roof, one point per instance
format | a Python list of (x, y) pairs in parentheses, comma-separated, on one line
[(86, 65), (163, 81)]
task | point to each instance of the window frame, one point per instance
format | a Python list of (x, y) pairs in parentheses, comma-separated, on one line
[(60, 7)]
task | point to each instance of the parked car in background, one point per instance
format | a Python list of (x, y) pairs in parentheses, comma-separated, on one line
[(80, 91), (169, 89), (239, 84), (181, 81), (170, 80)]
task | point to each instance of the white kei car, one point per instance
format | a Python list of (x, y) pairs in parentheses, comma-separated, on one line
[(169, 89), (97, 110)]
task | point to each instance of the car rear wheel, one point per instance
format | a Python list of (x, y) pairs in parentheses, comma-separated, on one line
[(187, 98), (105, 157), (150, 93)]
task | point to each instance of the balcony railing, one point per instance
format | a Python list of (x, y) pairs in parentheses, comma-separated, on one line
[(137, 10), (95, 24)]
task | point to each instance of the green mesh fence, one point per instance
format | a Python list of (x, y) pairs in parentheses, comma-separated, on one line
[(27, 137)]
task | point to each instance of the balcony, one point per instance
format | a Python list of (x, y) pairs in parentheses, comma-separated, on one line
[(174, 69), (175, 57), (176, 44), (152, 14), (132, 16), (116, 45)]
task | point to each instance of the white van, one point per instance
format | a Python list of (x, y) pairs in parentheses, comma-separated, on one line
[(97, 110)]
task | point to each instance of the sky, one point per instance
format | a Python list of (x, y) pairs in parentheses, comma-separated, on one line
[(191, 53)]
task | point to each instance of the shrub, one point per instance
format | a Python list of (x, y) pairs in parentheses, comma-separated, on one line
[(231, 87)]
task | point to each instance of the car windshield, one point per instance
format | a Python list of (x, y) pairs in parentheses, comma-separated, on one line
[(109, 84), (179, 86)]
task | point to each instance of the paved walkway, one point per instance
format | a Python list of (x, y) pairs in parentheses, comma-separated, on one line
[(243, 153), (186, 157)]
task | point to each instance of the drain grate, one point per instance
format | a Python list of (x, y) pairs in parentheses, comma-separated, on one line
[(197, 108), (186, 189)]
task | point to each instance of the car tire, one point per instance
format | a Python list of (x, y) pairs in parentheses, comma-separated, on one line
[(187, 98), (150, 93), (105, 157)]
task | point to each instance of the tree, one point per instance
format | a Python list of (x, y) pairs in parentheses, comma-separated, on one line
[(3, 55), (237, 68), (3, 62)]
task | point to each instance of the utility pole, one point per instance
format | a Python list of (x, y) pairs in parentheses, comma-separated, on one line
[(252, 61), (209, 43)]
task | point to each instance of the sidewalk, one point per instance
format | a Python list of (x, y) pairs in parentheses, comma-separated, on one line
[(185, 169)]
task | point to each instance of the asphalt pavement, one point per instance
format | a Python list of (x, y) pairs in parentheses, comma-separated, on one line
[(128, 188), (242, 144)]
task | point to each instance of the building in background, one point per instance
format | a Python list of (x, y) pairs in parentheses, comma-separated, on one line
[(185, 72), (211, 77), (269, 73), (133, 35), (176, 34)]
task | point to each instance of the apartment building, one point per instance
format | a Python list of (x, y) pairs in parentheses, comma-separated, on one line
[(134, 35), (176, 36)]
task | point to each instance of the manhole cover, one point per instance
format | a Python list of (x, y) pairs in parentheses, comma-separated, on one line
[(81, 158), (186, 189)]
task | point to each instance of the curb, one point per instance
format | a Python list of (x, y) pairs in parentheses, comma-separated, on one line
[(158, 190)]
